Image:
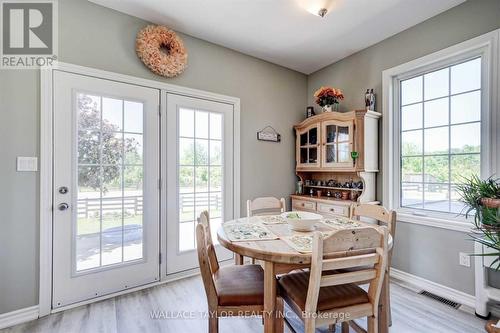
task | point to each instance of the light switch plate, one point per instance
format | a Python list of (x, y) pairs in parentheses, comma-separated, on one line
[(27, 163), (464, 259)]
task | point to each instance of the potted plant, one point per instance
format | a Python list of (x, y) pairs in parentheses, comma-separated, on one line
[(482, 198), (328, 98)]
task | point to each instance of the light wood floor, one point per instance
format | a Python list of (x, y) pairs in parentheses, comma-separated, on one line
[(132, 313)]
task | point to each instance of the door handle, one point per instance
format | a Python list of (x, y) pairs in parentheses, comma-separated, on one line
[(63, 206)]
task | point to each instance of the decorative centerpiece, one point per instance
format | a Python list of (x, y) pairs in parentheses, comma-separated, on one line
[(301, 221), (328, 98)]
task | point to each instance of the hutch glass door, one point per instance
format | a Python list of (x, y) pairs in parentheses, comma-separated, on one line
[(337, 144), (308, 154)]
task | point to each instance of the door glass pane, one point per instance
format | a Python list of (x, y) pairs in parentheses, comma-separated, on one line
[(89, 147), (330, 133), (89, 112), (201, 152), (216, 126), (200, 171), (186, 151), (186, 123), (110, 189), (132, 116), (215, 152), (201, 128), (112, 114), (133, 148), (313, 136), (186, 236)]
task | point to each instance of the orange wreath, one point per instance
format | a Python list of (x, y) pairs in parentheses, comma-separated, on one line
[(161, 50)]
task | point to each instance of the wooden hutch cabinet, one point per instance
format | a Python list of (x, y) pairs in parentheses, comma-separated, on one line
[(337, 161)]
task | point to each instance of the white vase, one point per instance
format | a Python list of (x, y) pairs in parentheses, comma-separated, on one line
[(327, 108)]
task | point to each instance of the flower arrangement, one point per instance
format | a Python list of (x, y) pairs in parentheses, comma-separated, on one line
[(328, 96)]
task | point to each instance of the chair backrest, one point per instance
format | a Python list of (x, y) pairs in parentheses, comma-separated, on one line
[(366, 251), (379, 213), (265, 206), (207, 257), (204, 220)]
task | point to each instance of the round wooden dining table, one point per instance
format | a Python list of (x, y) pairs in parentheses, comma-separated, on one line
[(278, 257)]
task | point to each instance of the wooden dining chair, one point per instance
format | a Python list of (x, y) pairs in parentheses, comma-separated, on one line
[(259, 207), (324, 295), (387, 218), (265, 206), (231, 290)]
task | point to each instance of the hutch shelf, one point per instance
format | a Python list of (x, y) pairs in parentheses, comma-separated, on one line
[(336, 161)]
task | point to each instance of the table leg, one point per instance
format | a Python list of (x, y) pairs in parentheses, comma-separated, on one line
[(383, 319), (269, 297), (238, 259)]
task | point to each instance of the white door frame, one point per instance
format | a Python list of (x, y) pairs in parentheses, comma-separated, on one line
[(46, 164)]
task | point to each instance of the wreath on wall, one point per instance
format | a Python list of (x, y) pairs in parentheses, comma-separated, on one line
[(161, 50)]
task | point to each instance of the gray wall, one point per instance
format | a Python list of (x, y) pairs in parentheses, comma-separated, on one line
[(94, 36), (427, 252)]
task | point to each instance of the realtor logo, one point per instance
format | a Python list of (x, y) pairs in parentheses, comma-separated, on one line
[(28, 34)]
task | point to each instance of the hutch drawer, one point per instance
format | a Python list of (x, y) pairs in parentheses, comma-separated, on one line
[(303, 205), (333, 209)]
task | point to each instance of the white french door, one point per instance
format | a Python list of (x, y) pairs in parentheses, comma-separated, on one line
[(200, 171), (106, 196)]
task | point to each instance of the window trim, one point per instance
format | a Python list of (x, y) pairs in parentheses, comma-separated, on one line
[(486, 46)]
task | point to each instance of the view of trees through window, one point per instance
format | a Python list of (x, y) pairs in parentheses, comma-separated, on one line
[(440, 135), (200, 172), (110, 181)]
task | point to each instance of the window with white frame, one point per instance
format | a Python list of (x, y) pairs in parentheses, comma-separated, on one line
[(439, 134)]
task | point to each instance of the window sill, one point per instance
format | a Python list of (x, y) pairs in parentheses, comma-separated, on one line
[(457, 224)]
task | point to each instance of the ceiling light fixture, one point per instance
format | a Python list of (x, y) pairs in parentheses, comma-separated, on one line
[(322, 12)]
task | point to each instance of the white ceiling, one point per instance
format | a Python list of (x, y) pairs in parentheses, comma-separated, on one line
[(283, 31)]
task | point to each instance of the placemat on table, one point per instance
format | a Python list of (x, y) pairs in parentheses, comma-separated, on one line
[(244, 232), (339, 222), (272, 219), (301, 243)]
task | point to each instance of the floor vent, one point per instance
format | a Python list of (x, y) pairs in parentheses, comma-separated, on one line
[(440, 299)]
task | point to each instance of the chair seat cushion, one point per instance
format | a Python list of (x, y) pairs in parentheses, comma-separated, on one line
[(294, 287), (240, 285)]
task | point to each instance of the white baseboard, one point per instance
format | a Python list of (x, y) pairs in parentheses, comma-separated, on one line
[(18, 317), (433, 287)]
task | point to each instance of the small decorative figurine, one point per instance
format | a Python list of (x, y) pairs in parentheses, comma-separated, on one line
[(310, 111), (370, 100)]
